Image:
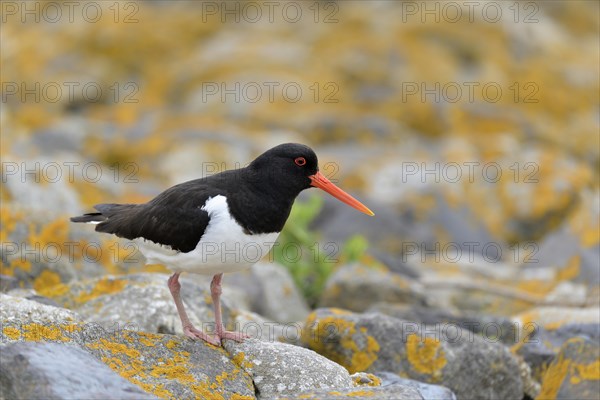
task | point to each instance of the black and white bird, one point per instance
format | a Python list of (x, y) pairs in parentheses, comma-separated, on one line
[(217, 224)]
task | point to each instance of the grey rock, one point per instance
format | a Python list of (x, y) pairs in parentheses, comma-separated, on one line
[(458, 359), (385, 233), (17, 311), (574, 372), (551, 317), (171, 366), (489, 326), (53, 371), (568, 293), (477, 287), (141, 301), (365, 379), (29, 192), (373, 284), (397, 228), (427, 391), (542, 345), (564, 245), (590, 265), (280, 299), (260, 328), (388, 392), (8, 283), (166, 365), (32, 295), (462, 227), (279, 369)]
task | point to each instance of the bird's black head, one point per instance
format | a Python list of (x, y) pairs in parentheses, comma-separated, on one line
[(288, 167)]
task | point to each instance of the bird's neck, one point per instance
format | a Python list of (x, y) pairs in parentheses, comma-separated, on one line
[(263, 206)]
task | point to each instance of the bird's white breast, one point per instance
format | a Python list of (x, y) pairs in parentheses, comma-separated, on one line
[(224, 247)]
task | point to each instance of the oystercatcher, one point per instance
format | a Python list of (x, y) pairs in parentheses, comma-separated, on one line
[(221, 223)]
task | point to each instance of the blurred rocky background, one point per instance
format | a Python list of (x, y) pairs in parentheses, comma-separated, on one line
[(472, 129)]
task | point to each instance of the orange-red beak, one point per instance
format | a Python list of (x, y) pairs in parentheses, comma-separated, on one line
[(319, 181)]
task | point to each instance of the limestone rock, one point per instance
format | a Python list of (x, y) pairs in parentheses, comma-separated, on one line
[(488, 326), (373, 284), (280, 369), (138, 301), (458, 359), (52, 371), (279, 298), (574, 374)]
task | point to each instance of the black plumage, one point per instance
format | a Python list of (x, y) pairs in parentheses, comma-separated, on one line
[(259, 196)]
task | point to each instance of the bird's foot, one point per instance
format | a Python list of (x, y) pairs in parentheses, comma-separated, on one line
[(237, 336), (194, 333)]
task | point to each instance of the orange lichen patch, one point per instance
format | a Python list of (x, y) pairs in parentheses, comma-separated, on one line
[(536, 287), (56, 233), (9, 219), (203, 391), (221, 378), (554, 377), (170, 344), (318, 336), (158, 390), (12, 333), (585, 225), (174, 370), (54, 291), (339, 311), (115, 256), (237, 396), (17, 264), (590, 237), (356, 393), (374, 381), (115, 348), (586, 372), (425, 355), (103, 287), (46, 279), (240, 360), (571, 270), (34, 332), (89, 193), (361, 393), (147, 342)]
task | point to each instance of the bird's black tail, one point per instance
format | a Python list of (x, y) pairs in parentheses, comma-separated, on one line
[(105, 212), (89, 218)]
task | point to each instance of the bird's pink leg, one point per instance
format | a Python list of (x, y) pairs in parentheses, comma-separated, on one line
[(188, 328), (215, 292)]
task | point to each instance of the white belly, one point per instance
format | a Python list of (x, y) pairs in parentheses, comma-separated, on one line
[(224, 247)]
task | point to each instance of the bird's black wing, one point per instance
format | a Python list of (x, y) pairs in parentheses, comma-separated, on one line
[(174, 218)]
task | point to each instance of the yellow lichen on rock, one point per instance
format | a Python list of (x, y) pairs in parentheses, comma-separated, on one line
[(425, 355), (355, 357), (103, 287), (45, 280), (373, 380), (554, 378), (571, 270), (569, 370), (34, 332), (12, 333)]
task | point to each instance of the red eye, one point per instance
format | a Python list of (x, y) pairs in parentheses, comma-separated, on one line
[(300, 161)]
